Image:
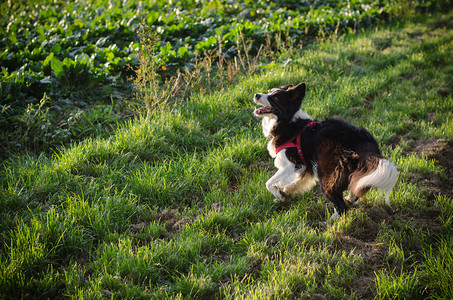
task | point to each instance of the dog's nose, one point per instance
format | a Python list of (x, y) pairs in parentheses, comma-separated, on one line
[(257, 96)]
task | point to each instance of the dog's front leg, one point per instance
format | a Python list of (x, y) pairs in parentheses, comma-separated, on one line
[(282, 184), (273, 185)]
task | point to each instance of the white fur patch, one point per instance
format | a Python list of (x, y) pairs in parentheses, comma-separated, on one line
[(268, 124), (271, 148), (262, 100), (300, 115)]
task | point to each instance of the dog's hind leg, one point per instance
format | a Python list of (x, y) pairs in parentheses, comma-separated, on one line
[(305, 182), (338, 202), (340, 205), (354, 200), (334, 181)]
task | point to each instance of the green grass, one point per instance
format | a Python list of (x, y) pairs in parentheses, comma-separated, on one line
[(174, 205)]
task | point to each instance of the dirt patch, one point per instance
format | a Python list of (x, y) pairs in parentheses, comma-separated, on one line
[(361, 239), (261, 165), (368, 102), (435, 148), (428, 218), (364, 230), (373, 255), (395, 141), (172, 219), (440, 150), (382, 43), (445, 91)]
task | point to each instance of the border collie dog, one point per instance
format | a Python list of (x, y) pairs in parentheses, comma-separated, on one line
[(339, 155)]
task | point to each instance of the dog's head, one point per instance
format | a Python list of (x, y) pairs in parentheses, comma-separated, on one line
[(281, 102)]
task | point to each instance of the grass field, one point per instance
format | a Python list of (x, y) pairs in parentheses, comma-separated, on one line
[(174, 205)]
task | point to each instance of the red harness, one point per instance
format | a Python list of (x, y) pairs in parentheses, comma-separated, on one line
[(295, 142)]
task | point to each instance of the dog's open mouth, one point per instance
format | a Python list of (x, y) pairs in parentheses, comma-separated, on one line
[(263, 110)]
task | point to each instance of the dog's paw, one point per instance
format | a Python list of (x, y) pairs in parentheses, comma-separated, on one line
[(355, 203), (333, 218), (282, 197), (279, 200)]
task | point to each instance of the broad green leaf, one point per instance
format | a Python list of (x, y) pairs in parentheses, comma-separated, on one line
[(57, 67), (56, 48)]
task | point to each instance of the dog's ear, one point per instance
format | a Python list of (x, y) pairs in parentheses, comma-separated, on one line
[(299, 92)]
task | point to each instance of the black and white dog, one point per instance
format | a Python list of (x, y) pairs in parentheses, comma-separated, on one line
[(339, 155)]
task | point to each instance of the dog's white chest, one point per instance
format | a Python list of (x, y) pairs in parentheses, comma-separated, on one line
[(271, 148), (268, 124)]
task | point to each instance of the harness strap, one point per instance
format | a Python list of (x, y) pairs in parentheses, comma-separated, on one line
[(295, 142)]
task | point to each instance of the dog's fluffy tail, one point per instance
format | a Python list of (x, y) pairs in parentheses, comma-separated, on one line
[(381, 174)]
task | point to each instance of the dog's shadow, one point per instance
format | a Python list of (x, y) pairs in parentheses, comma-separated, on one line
[(312, 205), (316, 210)]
